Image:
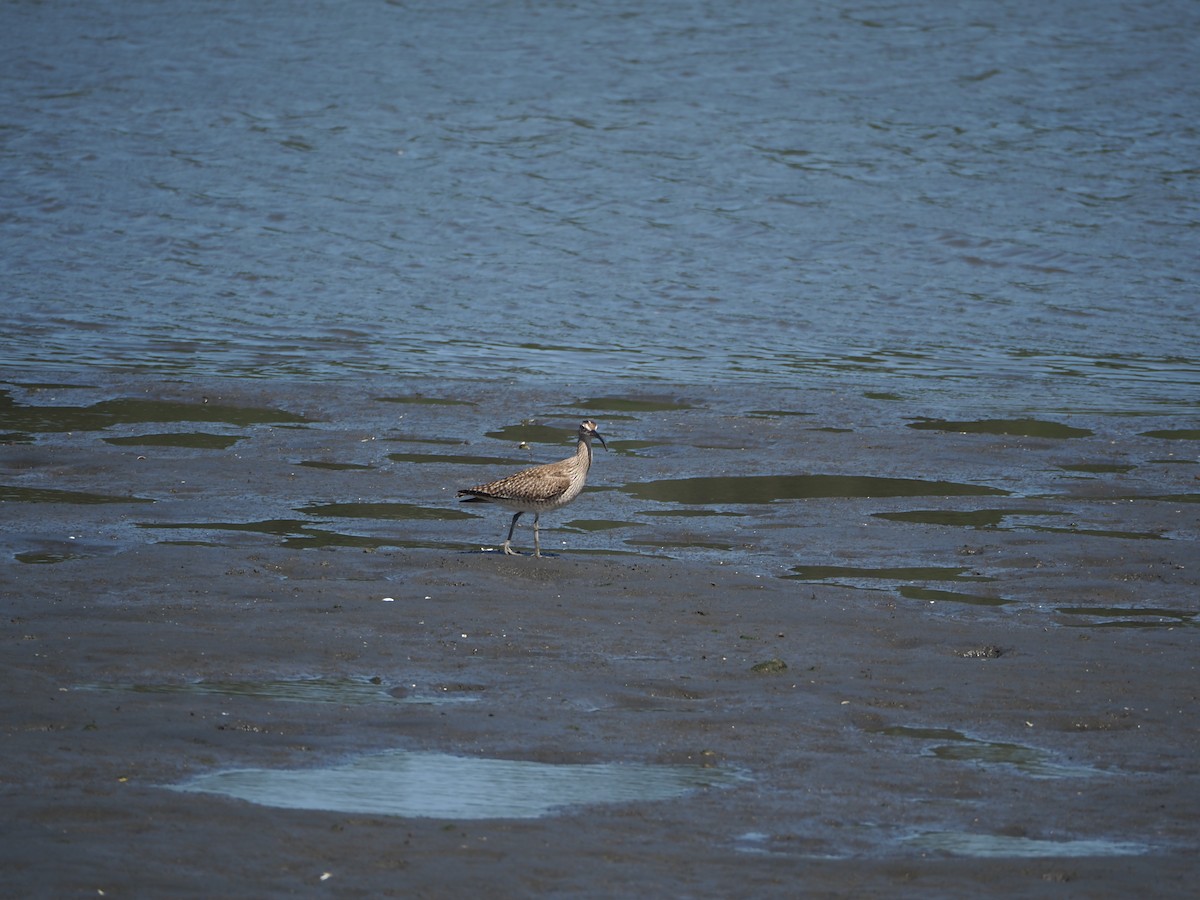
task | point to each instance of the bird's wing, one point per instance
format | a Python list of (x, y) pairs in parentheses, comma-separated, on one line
[(542, 483)]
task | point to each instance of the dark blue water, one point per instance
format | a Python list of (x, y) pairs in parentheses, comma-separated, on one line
[(994, 201)]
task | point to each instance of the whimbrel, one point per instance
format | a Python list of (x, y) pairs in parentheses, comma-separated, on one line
[(540, 489)]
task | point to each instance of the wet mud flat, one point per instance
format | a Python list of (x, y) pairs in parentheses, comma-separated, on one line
[(955, 662)]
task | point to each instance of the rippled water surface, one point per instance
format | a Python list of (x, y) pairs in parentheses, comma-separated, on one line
[(994, 202)]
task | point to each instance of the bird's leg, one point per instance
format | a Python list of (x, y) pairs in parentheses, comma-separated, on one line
[(508, 550), (537, 544)]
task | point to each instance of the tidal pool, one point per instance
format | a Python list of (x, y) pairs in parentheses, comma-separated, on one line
[(441, 786)]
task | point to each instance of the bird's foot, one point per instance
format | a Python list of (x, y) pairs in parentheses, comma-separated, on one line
[(509, 551)]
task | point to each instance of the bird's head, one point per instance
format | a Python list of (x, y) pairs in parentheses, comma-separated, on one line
[(588, 430)]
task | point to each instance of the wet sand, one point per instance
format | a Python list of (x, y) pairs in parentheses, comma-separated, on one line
[(1028, 735)]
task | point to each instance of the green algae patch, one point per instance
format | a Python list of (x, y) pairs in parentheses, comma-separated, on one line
[(13, 494), (769, 488), (19, 422), (196, 440), (769, 667), (1015, 427), (402, 511)]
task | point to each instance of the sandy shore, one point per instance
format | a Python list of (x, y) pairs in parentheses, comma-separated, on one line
[(1025, 728)]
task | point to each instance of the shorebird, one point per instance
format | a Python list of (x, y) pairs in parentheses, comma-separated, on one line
[(540, 489)]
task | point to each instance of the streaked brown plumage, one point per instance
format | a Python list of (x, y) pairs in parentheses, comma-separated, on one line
[(540, 489)]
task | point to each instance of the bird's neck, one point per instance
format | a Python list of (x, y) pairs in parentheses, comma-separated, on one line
[(583, 453)]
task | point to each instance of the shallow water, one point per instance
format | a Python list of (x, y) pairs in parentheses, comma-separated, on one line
[(991, 207), (943, 517)]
